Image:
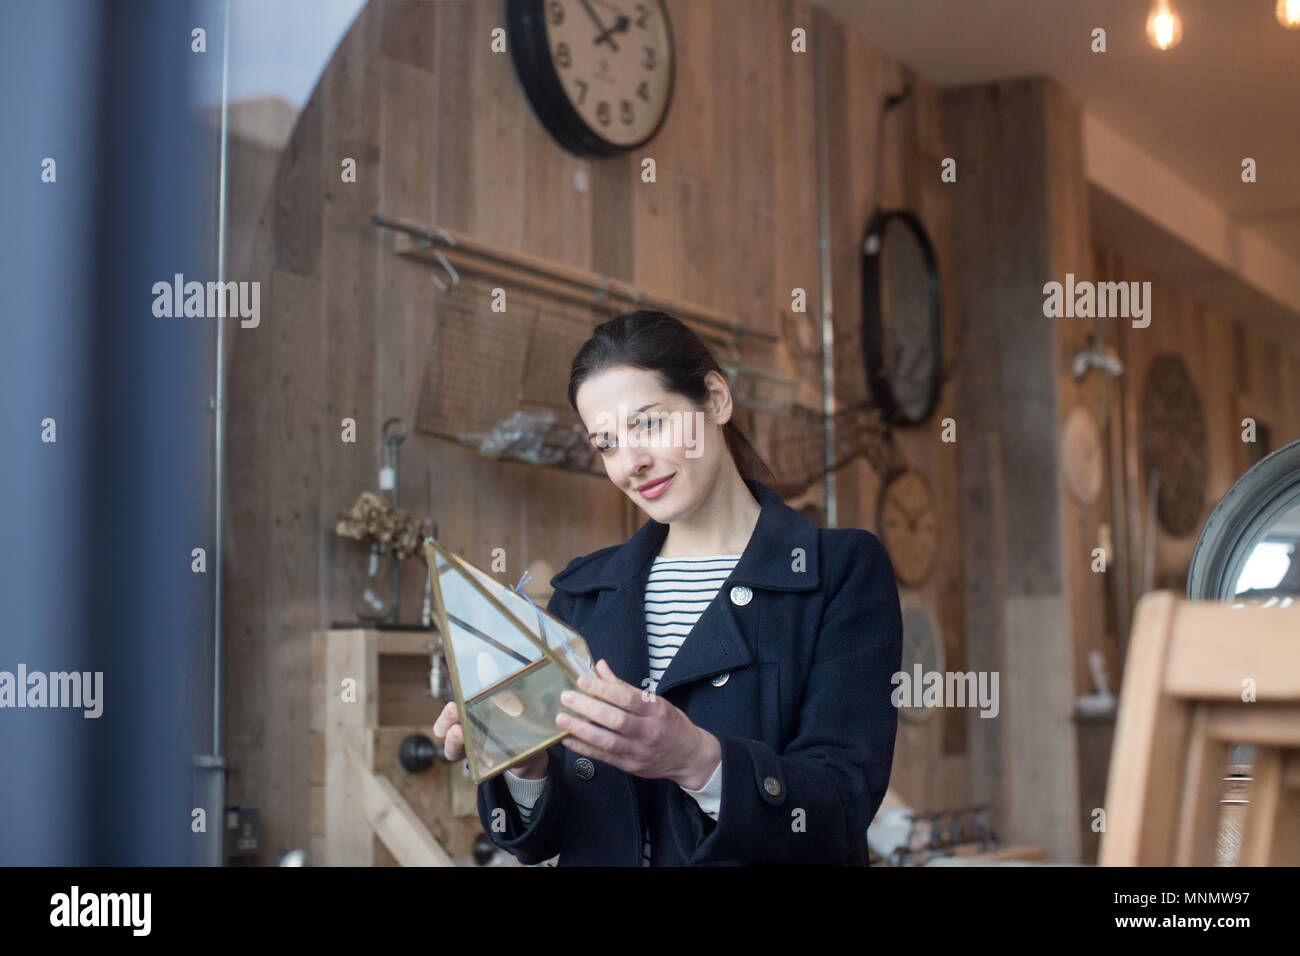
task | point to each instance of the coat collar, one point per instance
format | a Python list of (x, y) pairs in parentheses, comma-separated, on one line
[(726, 635), (781, 554)]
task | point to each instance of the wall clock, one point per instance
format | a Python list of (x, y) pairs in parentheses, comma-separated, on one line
[(922, 645), (1173, 443), (1081, 456), (598, 73), (908, 526), (902, 333)]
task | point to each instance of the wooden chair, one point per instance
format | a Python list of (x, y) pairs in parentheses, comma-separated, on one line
[(1189, 665)]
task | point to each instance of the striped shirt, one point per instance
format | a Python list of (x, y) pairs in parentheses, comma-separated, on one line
[(677, 593)]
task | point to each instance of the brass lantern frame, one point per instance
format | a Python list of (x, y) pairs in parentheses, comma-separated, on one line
[(433, 550)]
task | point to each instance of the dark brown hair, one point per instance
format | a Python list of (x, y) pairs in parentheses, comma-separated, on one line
[(657, 342)]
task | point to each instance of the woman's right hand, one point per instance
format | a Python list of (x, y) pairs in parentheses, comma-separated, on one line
[(447, 728)]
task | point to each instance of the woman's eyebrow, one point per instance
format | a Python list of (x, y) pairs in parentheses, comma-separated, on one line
[(637, 412)]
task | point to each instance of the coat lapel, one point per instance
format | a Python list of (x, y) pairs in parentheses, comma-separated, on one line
[(722, 640), (618, 620), (781, 555)]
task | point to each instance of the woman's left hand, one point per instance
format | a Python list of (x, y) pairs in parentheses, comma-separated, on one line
[(636, 731)]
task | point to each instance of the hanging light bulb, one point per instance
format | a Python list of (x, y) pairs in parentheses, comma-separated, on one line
[(1164, 25), (1288, 14)]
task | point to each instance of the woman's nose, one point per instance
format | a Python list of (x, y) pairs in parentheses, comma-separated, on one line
[(636, 460)]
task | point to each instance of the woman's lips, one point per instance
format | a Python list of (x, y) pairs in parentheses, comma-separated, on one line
[(654, 491)]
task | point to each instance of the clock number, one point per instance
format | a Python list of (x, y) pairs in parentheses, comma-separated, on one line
[(643, 91), (562, 55), (644, 15), (602, 113), (650, 61), (557, 12), (583, 95), (625, 114)]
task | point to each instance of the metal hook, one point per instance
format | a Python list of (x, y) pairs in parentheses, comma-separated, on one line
[(395, 438), (451, 271), (733, 353), (630, 292), (904, 93), (450, 240)]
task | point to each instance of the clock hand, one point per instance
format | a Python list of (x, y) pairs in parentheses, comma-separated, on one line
[(917, 357), (592, 13), (908, 513), (1190, 452), (896, 357), (914, 516), (604, 34), (618, 27)]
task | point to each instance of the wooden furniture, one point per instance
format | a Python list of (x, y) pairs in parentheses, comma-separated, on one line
[(1094, 736), (1190, 664), (369, 691), (975, 855)]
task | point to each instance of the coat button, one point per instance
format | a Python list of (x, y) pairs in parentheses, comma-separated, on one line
[(741, 595), (584, 768), (772, 786), (721, 679)]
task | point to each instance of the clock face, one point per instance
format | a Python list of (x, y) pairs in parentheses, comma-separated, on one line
[(923, 646), (614, 61), (908, 527), (910, 362), (901, 330), (1174, 443), (1081, 456)]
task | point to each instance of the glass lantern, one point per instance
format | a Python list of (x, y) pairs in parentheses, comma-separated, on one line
[(509, 660)]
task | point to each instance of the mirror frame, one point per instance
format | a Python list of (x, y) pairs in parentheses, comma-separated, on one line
[(872, 316), (1269, 489)]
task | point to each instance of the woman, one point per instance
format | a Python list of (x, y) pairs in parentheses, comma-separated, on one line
[(740, 712)]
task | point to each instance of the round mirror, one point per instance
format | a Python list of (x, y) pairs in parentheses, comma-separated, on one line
[(1271, 574), (1249, 549), (901, 331)]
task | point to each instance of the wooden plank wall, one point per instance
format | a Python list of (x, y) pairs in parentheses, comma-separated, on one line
[(931, 762), (442, 133), (1238, 372), (1019, 220)]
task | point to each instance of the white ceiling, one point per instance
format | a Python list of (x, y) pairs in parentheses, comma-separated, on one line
[(1229, 90)]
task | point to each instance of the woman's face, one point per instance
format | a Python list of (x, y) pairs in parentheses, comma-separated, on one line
[(658, 448)]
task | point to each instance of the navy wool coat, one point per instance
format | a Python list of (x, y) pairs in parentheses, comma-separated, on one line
[(808, 632)]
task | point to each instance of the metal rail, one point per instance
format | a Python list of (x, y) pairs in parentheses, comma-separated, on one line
[(593, 285)]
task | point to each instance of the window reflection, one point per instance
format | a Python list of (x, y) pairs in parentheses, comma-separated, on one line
[(1271, 575)]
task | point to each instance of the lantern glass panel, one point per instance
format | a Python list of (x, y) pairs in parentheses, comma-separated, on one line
[(509, 660)]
